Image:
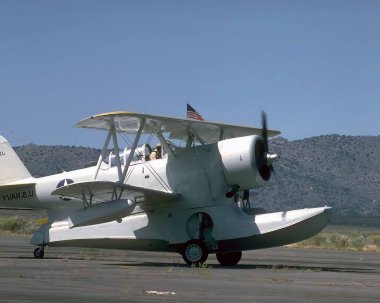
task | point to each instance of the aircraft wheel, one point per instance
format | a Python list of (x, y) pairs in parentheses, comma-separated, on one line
[(39, 253), (195, 252), (229, 259)]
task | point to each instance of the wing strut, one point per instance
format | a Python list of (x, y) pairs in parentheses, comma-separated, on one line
[(117, 154), (112, 134), (137, 138), (102, 155), (191, 135)]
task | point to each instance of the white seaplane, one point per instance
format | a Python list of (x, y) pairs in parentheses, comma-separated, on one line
[(193, 199)]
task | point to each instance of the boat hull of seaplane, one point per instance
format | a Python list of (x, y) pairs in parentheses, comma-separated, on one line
[(238, 231)]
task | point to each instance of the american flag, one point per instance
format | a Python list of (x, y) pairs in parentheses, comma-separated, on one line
[(193, 114)]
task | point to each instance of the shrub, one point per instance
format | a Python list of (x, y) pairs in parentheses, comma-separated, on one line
[(17, 225), (12, 224)]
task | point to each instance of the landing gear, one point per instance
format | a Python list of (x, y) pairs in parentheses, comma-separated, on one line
[(195, 252), (229, 259), (39, 253)]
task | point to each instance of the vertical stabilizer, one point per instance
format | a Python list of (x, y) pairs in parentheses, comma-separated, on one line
[(11, 167)]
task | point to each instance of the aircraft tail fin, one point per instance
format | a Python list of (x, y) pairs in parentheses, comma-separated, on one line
[(11, 167)]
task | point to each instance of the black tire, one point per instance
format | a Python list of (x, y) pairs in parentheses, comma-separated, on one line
[(39, 253), (195, 252), (229, 259)]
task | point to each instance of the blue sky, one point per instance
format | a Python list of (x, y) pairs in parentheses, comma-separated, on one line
[(313, 66)]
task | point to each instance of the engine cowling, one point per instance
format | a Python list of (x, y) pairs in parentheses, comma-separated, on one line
[(245, 161)]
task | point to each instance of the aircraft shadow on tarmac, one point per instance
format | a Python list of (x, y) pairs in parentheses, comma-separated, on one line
[(268, 266), (252, 266)]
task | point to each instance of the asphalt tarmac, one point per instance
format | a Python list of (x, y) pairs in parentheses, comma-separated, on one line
[(273, 275)]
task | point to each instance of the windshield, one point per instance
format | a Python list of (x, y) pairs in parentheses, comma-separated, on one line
[(141, 155)]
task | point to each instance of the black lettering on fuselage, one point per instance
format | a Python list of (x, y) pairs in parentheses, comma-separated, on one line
[(18, 195)]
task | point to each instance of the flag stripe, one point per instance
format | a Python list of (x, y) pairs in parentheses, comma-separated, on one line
[(193, 114)]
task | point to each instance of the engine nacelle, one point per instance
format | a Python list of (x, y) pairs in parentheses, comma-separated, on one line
[(244, 161)]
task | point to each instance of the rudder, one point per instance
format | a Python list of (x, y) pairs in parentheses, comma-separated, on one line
[(11, 167)]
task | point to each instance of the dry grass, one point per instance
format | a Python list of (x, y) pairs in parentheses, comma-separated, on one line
[(344, 237), (17, 225)]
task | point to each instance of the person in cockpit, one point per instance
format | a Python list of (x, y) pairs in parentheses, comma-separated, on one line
[(156, 154)]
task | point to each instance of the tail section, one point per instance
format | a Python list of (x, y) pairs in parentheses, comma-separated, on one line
[(11, 167)]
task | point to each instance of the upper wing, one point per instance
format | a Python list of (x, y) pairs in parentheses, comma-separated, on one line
[(102, 191), (209, 132)]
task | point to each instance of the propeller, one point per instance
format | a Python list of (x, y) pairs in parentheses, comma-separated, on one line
[(264, 158)]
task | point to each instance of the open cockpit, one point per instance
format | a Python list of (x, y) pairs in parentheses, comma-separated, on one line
[(140, 155)]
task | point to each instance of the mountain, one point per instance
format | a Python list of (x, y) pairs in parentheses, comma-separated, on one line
[(338, 171), (43, 160)]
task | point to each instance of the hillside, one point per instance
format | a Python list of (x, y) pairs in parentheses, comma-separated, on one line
[(339, 171), (42, 160)]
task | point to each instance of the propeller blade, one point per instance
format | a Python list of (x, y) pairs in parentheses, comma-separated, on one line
[(264, 128), (273, 171), (246, 195), (267, 159)]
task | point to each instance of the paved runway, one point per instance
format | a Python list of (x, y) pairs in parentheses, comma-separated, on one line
[(272, 275)]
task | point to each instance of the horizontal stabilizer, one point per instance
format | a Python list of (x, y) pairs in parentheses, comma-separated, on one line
[(18, 196), (15, 208), (17, 186)]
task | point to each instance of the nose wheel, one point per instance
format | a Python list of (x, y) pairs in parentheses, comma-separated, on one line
[(39, 253)]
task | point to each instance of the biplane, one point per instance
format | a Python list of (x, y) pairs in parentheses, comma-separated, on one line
[(192, 198)]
